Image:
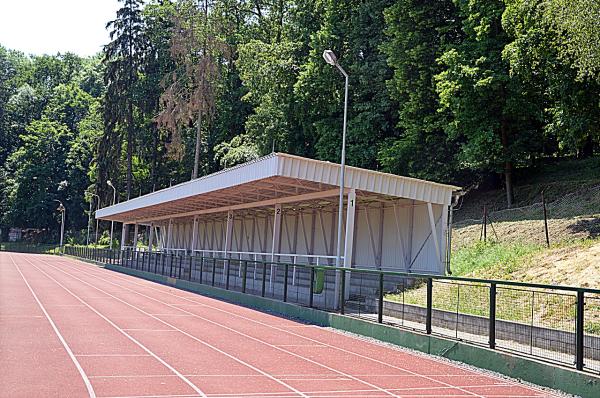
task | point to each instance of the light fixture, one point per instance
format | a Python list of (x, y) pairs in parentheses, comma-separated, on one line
[(329, 57)]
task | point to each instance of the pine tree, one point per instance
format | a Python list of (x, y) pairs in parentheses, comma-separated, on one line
[(123, 59)]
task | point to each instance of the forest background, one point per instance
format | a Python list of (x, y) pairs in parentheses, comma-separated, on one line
[(467, 92)]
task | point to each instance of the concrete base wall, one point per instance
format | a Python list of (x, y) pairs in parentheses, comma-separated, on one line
[(519, 367)]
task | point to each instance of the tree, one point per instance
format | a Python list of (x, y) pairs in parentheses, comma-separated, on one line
[(493, 112), (570, 99), (157, 62), (123, 59), (37, 172), (578, 24), (417, 34), (191, 90), (354, 31)]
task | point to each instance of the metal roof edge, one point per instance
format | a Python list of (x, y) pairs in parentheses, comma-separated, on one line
[(359, 169), (106, 211)]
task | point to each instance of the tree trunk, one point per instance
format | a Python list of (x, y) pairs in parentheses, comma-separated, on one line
[(198, 142), (508, 166), (587, 150)]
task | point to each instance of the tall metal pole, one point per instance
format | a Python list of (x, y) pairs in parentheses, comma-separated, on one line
[(338, 257)]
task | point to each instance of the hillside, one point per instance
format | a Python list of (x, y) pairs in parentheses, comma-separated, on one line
[(516, 241)]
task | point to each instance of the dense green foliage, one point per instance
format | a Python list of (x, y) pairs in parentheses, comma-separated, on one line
[(451, 90)]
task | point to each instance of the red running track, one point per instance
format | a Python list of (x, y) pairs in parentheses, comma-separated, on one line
[(69, 329)]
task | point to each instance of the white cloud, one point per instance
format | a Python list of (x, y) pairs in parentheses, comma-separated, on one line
[(51, 26)]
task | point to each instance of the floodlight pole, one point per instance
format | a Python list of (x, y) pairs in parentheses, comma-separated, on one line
[(338, 258), (331, 59)]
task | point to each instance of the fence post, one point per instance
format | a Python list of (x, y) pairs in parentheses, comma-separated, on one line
[(226, 266), (285, 282), (201, 268), (264, 279), (244, 273), (429, 305), (192, 263), (180, 266), (492, 327), (312, 287), (579, 336), (485, 214), (380, 303), (214, 270), (342, 291), (545, 220)]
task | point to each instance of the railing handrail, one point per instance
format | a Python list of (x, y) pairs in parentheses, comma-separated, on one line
[(417, 275)]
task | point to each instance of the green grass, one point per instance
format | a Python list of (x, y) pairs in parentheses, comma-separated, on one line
[(493, 260), (501, 259)]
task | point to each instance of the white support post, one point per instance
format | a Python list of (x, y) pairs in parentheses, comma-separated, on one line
[(169, 234), (349, 242), (228, 238), (123, 235), (276, 239), (443, 240), (150, 237), (433, 231), (135, 236), (228, 233), (194, 235)]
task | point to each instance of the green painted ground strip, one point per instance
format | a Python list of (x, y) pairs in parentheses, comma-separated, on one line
[(523, 368)]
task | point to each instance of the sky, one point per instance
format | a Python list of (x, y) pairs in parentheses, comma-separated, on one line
[(52, 26)]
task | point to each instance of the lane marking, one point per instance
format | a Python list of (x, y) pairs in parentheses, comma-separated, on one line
[(86, 380), (294, 334), (232, 330), (113, 355), (183, 332), (149, 330), (150, 285), (172, 369)]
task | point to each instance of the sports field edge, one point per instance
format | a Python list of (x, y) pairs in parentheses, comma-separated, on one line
[(527, 369)]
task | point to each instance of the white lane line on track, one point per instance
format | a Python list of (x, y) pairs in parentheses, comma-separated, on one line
[(148, 284), (172, 369), (237, 332), (86, 380), (113, 355), (187, 334), (289, 332)]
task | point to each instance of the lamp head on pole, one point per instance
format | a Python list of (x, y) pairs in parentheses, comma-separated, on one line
[(329, 57), (61, 208), (109, 183)]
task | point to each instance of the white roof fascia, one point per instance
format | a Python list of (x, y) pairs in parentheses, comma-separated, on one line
[(365, 180), (255, 170), (296, 167)]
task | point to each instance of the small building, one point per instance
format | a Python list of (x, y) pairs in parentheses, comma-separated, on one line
[(284, 208)]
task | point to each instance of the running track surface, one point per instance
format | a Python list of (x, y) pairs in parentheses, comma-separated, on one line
[(70, 329)]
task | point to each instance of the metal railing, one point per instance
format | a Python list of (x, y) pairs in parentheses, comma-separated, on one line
[(560, 324)]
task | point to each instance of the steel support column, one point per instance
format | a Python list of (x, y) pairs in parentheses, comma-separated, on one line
[(276, 239)]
